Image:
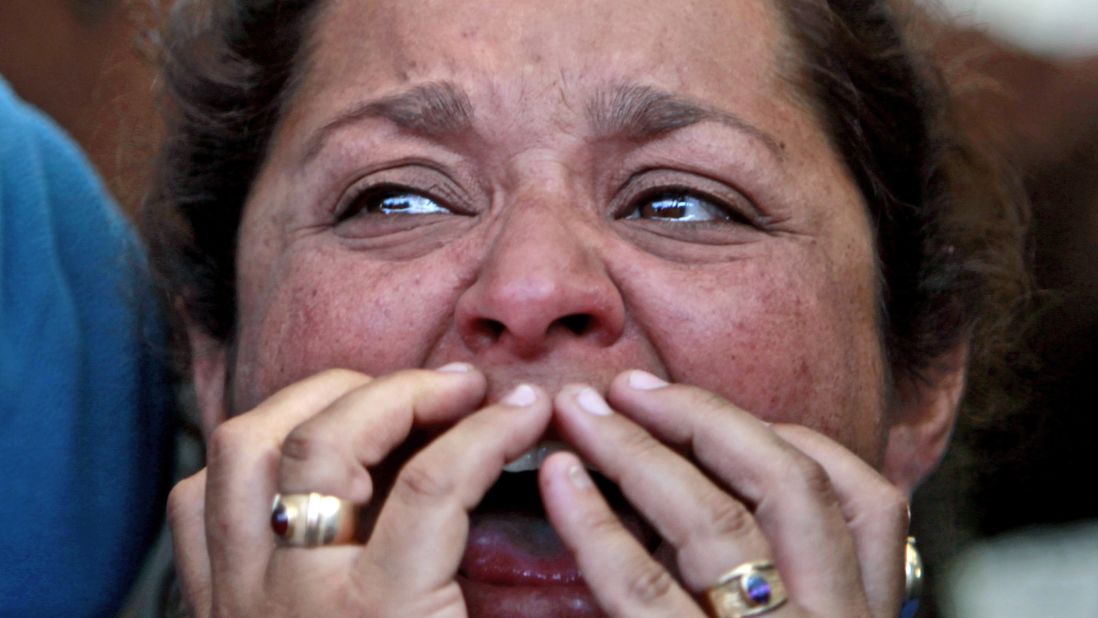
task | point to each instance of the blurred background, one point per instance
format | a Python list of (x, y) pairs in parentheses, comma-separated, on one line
[(1055, 27), (90, 65), (1009, 524)]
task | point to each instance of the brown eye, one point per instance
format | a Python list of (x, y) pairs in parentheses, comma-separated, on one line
[(679, 207)]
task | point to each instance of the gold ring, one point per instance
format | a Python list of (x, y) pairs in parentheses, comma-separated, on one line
[(750, 589), (311, 520)]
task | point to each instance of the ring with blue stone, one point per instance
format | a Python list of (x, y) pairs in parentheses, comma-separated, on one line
[(750, 589)]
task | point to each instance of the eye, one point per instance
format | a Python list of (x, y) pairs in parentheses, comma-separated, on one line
[(679, 206), (390, 200)]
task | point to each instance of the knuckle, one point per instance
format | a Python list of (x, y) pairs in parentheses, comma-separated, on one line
[(320, 461), (638, 442), (406, 385), (304, 444), (797, 432), (184, 499), (229, 438), (420, 483), (706, 400), (727, 517), (648, 583), (812, 477), (893, 505)]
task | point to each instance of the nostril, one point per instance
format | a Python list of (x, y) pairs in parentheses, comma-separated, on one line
[(528, 337), (488, 328), (578, 323)]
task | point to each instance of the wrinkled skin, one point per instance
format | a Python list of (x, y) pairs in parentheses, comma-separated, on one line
[(545, 235)]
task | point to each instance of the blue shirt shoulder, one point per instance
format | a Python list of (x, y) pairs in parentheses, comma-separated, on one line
[(84, 431)]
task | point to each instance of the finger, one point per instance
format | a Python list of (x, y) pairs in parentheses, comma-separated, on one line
[(791, 494), (242, 461), (710, 530), (420, 536), (329, 453), (186, 514), (624, 578), (876, 512)]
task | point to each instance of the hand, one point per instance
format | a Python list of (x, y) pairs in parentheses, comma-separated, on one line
[(323, 435), (722, 488)]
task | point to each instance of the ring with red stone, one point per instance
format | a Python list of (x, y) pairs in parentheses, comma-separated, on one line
[(750, 589), (312, 520)]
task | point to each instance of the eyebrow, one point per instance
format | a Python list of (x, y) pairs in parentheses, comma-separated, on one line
[(643, 112), (432, 109), (442, 108)]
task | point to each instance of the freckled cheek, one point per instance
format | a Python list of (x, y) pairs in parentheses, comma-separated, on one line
[(781, 348), (374, 319)]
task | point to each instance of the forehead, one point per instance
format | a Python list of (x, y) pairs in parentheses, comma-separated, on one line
[(723, 51)]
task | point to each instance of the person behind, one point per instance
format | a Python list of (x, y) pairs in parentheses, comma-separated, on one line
[(88, 65), (573, 308), (85, 440)]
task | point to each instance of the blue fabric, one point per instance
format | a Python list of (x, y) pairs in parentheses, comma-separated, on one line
[(84, 436)]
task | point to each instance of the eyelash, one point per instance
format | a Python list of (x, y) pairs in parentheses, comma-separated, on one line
[(733, 212), (354, 202), (357, 200)]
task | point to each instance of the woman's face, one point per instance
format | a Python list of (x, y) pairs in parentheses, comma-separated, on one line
[(556, 192)]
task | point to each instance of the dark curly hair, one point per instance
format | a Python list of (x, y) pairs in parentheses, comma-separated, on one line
[(949, 230)]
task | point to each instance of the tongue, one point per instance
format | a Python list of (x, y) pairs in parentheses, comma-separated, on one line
[(517, 549)]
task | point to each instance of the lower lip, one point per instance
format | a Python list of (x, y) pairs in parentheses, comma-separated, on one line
[(544, 601), (516, 565), (517, 549)]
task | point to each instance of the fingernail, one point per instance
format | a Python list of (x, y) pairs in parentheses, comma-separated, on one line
[(644, 381), (455, 368), (522, 396), (592, 403), (579, 477)]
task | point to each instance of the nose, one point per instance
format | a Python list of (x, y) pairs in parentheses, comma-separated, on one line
[(542, 286)]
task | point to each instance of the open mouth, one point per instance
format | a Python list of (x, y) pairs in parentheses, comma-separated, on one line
[(514, 556)]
